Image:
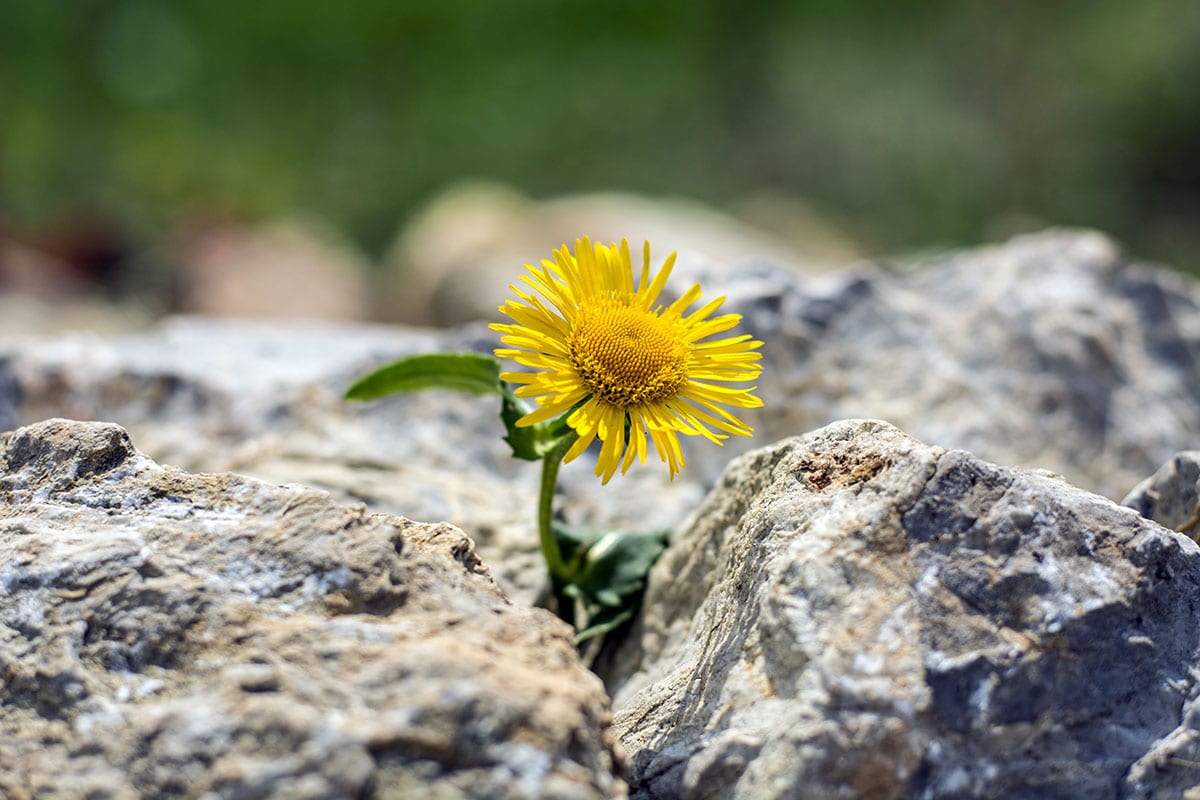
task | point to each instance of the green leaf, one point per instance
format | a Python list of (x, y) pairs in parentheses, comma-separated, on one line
[(531, 442), (528, 442), (464, 372), (573, 542), (608, 565), (605, 620), (607, 573)]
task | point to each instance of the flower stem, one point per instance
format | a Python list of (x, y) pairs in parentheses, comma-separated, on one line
[(564, 604), (550, 549)]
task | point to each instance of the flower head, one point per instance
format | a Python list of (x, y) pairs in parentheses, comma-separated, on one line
[(624, 367)]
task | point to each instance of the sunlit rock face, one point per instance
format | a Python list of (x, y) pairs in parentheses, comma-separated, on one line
[(853, 613), (1050, 351), (933, 613), (1171, 496), (166, 634)]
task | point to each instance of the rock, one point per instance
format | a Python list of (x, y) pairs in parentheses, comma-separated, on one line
[(164, 634), (286, 271), (853, 613), (454, 262), (264, 399), (1171, 496), (881, 662), (1050, 351)]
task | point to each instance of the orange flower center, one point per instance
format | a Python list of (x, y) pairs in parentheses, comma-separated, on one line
[(626, 355)]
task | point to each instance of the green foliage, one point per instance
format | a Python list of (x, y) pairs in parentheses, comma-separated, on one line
[(531, 442), (606, 573), (920, 123), (464, 372)]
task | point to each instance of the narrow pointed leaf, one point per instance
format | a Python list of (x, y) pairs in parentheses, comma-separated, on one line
[(464, 372), (600, 623)]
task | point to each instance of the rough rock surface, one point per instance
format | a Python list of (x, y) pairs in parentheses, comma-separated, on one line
[(1050, 351), (265, 400), (1171, 496), (856, 614), (164, 634)]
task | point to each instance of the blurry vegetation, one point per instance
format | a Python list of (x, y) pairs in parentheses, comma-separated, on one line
[(915, 123)]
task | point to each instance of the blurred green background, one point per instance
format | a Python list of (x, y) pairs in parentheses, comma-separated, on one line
[(912, 124)]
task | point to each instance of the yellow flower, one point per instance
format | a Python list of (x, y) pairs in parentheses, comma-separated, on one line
[(624, 367)]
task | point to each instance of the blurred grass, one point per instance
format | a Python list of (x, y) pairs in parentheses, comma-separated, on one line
[(915, 123)]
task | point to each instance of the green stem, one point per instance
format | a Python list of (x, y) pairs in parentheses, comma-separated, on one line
[(564, 605), (550, 550)]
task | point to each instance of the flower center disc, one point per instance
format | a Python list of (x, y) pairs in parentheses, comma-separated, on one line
[(626, 356)]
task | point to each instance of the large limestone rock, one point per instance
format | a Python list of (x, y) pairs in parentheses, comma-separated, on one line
[(165, 634), (265, 399), (1050, 351), (856, 614)]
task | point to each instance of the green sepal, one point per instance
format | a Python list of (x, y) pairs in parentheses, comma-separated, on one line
[(531, 442), (606, 572), (464, 372)]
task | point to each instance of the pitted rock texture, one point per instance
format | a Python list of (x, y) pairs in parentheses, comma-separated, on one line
[(853, 613), (265, 399), (1051, 351), (171, 635), (1171, 496)]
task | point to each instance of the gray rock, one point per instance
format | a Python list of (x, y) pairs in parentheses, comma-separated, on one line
[(264, 399), (880, 663), (1049, 351), (1171, 496), (165, 634), (855, 614)]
